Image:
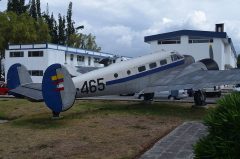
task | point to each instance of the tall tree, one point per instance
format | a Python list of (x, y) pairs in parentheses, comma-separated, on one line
[(17, 6), (38, 8), (33, 9), (70, 24), (61, 30), (10, 5)]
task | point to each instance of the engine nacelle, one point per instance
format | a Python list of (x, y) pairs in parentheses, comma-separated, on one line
[(210, 64)]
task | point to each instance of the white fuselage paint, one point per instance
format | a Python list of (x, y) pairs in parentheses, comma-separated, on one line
[(129, 80)]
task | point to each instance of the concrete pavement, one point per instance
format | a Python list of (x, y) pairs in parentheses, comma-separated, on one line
[(178, 144)]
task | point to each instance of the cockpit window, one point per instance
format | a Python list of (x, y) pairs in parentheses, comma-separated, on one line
[(176, 57)]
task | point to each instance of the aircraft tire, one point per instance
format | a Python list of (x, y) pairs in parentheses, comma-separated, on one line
[(199, 98), (148, 96)]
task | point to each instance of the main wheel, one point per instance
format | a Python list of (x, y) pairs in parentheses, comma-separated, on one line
[(148, 96), (199, 98), (171, 97)]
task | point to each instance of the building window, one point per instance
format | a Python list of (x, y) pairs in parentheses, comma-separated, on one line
[(16, 54), (141, 68), (175, 40), (115, 75), (128, 72), (163, 62), (80, 58), (197, 39), (96, 60), (35, 53), (89, 61), (71, 57), (152, 65), (36, 72)]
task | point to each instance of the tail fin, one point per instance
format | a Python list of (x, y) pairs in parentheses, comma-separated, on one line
[(58, 89), (20, 83), (17, 75)]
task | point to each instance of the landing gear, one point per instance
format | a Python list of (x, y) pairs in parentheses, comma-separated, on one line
[(148, 98), (56, 115), (199, 98)]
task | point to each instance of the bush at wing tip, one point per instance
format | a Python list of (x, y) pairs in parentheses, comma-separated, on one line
[(223, 124)]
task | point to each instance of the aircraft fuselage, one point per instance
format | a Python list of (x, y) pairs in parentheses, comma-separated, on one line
[(128, 76)]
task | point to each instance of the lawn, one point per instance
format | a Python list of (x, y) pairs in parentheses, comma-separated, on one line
[(91, 129)]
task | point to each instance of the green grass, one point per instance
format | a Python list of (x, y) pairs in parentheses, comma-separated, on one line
[(155, 109), (37, 116), (90, 129)]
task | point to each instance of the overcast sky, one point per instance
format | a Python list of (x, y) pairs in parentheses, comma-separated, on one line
[(120, 25)]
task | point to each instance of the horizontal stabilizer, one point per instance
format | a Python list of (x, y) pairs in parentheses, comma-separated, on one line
[(32, 91)]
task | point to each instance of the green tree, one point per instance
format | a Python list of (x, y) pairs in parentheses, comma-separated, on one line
[(33, 9), (238, 61), (70, 24), (17, 6), (38, 8), (84, 41), (20, 29), (91, 43), (61, 30)]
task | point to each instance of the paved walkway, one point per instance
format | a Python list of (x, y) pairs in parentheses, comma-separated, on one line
[(3, 121), (178, 143)]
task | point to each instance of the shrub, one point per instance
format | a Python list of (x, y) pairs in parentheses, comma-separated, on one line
[(223, 122)]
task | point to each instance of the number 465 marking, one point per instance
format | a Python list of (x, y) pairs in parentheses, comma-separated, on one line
[(93, 85)]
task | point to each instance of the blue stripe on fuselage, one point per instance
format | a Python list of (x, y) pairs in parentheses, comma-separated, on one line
[(149, 72)]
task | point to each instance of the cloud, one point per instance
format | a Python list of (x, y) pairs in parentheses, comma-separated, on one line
[(126, 40), (120, 26)]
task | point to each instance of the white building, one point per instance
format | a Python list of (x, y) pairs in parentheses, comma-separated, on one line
[(37, 57), (199, 44)]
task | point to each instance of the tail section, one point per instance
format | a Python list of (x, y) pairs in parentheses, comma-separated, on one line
[(58, 89), (17, 75), (21, 85)]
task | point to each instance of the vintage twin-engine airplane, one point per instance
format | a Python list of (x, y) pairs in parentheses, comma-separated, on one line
[(158, 71)]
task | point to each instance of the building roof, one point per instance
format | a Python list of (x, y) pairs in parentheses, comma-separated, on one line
[(69, 50), (210, 34), (185, 32)]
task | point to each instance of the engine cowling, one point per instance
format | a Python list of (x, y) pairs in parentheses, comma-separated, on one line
[(210, 64)]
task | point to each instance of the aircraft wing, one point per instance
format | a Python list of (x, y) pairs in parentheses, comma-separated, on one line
[(196, 80), (32, 91)]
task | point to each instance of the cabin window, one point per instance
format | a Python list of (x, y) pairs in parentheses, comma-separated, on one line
[(71, 57), (35, 53), (152, 65), (163, 62), (36, 72), (128, 72), (115, 75), (89, 61), (16, 54), (141, 68)]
